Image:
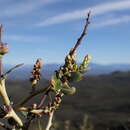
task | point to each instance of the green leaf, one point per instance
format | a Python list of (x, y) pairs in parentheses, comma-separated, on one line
[(67, 91), (75, 77), (56, 84)]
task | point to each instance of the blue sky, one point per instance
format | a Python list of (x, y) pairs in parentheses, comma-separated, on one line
[(47, 29)]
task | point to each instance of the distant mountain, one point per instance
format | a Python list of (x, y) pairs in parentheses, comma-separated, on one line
[(24, 71), (96, 69)]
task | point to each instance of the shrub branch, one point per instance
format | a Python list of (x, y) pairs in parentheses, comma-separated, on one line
[(59, 85)]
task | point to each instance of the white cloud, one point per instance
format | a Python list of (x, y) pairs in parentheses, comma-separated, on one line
[(96, 10), (112, 21), (23, 7), (23, 38)]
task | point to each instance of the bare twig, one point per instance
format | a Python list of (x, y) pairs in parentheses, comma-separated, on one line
[(42, 100), (10, 70), (83, 34), (6, 101), (49, 124), (28, 98), (49, 94)]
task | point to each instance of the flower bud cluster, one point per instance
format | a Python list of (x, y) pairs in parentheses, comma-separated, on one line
[(46, 109), (85, 63), (36, 72), (71, 72), (53, 105), (64, 73)]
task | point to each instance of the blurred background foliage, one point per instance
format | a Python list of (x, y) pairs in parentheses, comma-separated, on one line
[(102, 102)]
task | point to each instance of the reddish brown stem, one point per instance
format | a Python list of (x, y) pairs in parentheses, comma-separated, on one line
[(28, 98), (42, 100), (83, 34)]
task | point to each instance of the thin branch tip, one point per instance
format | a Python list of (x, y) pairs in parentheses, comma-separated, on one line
[(10, 70), (82, 34)]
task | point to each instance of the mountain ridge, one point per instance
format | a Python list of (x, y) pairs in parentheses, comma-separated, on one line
[(24, 71)]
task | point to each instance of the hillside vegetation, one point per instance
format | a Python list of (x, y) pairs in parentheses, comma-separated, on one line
[(101, 103)]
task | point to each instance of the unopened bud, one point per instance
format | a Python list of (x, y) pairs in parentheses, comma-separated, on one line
[(3, 48), (87, 59), (34, 106)]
